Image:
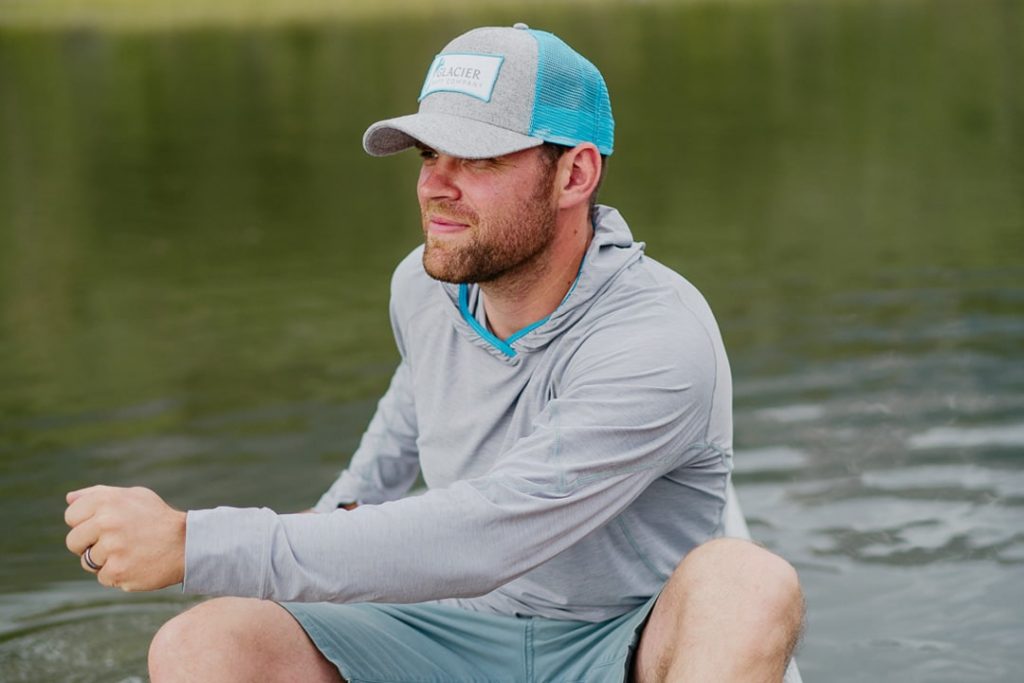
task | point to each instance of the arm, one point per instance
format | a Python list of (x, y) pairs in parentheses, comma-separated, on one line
[(628, 412)]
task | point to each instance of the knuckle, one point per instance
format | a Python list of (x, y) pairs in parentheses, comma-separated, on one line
[(115, 575), (105, 520)]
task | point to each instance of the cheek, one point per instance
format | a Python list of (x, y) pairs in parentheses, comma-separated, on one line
[(420, 194)]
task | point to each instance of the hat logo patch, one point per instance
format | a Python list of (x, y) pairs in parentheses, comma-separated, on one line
[(469, 74)]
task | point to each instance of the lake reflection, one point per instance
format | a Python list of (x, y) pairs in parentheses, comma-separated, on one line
[(195, 256)]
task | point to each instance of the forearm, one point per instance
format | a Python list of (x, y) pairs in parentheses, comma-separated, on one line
[(458, 542)]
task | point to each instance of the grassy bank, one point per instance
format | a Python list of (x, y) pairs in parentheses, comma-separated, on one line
[(143, 15)]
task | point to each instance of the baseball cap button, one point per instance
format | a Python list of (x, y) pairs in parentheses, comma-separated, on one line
[(520, 25)]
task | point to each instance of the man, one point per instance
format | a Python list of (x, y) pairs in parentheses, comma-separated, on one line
[(568, 402)]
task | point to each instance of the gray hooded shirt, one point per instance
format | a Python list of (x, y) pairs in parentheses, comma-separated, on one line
[(569, 467)]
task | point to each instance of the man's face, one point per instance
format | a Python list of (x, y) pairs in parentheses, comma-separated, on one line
[(485, 218)]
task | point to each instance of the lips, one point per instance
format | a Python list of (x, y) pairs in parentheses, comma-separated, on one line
[(443, 224)]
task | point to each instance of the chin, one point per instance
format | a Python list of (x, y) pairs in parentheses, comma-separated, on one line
[(443, 272)]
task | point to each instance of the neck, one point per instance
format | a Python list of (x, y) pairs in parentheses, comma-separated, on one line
[(533, 291)]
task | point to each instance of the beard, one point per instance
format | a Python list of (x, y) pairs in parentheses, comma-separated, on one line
[(493, 247)]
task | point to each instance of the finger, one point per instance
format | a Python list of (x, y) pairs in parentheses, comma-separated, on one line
[(86, 566), (105, 575), (84, 506), (82, 536), (72, 496)]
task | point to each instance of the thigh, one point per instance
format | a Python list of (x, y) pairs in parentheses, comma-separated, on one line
[(581, 652), (415, 643), (371, 643)]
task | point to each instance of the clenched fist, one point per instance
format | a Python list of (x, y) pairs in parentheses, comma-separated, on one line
[(134, 537)]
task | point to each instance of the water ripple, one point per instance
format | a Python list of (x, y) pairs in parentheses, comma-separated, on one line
[(998, 436), (56, 635)]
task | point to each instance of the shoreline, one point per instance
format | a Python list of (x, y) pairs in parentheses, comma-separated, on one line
[(159, 15)]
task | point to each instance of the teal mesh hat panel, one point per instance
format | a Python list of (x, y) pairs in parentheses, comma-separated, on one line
[(571, 104)]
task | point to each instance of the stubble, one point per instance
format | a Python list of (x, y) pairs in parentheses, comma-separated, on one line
[(497, 247)]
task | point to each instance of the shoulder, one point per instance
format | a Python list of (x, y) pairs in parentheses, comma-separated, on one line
[(650, 322), (652, 288), (649, 303)]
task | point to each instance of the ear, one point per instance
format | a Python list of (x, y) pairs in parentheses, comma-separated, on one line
[(579, 171)]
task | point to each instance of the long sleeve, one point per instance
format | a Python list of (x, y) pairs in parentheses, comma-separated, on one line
[(629, 412)]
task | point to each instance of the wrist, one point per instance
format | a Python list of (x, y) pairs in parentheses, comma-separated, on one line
[(178, 561)]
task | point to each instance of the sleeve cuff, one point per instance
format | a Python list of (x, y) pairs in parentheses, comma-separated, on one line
[(226, 551)]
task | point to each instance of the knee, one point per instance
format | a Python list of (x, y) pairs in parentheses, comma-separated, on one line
[(169, 646), (236, 639), (191, 637), (730, 608), (176, 642), (764, 582)]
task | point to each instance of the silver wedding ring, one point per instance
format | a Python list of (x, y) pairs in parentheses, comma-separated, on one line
[(87, 556)]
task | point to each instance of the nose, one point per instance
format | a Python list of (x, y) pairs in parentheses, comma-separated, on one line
[(438, 179)]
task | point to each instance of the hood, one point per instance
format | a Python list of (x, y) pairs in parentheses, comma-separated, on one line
[(611, 250)]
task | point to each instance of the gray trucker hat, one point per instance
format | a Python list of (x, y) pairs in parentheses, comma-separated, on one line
[(494, 91)]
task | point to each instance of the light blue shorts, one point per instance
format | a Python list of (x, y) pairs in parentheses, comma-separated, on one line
[(429, 643)]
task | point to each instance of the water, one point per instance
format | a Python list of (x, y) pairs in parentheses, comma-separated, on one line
[(194, 259)]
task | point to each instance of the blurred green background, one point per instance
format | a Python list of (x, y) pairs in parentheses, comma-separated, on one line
[(195, 255)]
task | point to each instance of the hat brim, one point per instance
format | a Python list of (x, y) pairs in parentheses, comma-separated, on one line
[(452, 135)]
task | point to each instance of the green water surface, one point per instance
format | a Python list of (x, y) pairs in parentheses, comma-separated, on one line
[(195, 256)]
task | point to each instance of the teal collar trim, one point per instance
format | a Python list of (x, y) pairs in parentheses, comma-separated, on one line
[(480, 329), (506, 346)]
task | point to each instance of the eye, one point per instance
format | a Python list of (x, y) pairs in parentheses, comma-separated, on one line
[(485, 164), (427, 154)]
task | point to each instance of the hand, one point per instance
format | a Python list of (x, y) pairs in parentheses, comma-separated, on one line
[(137, 540)]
